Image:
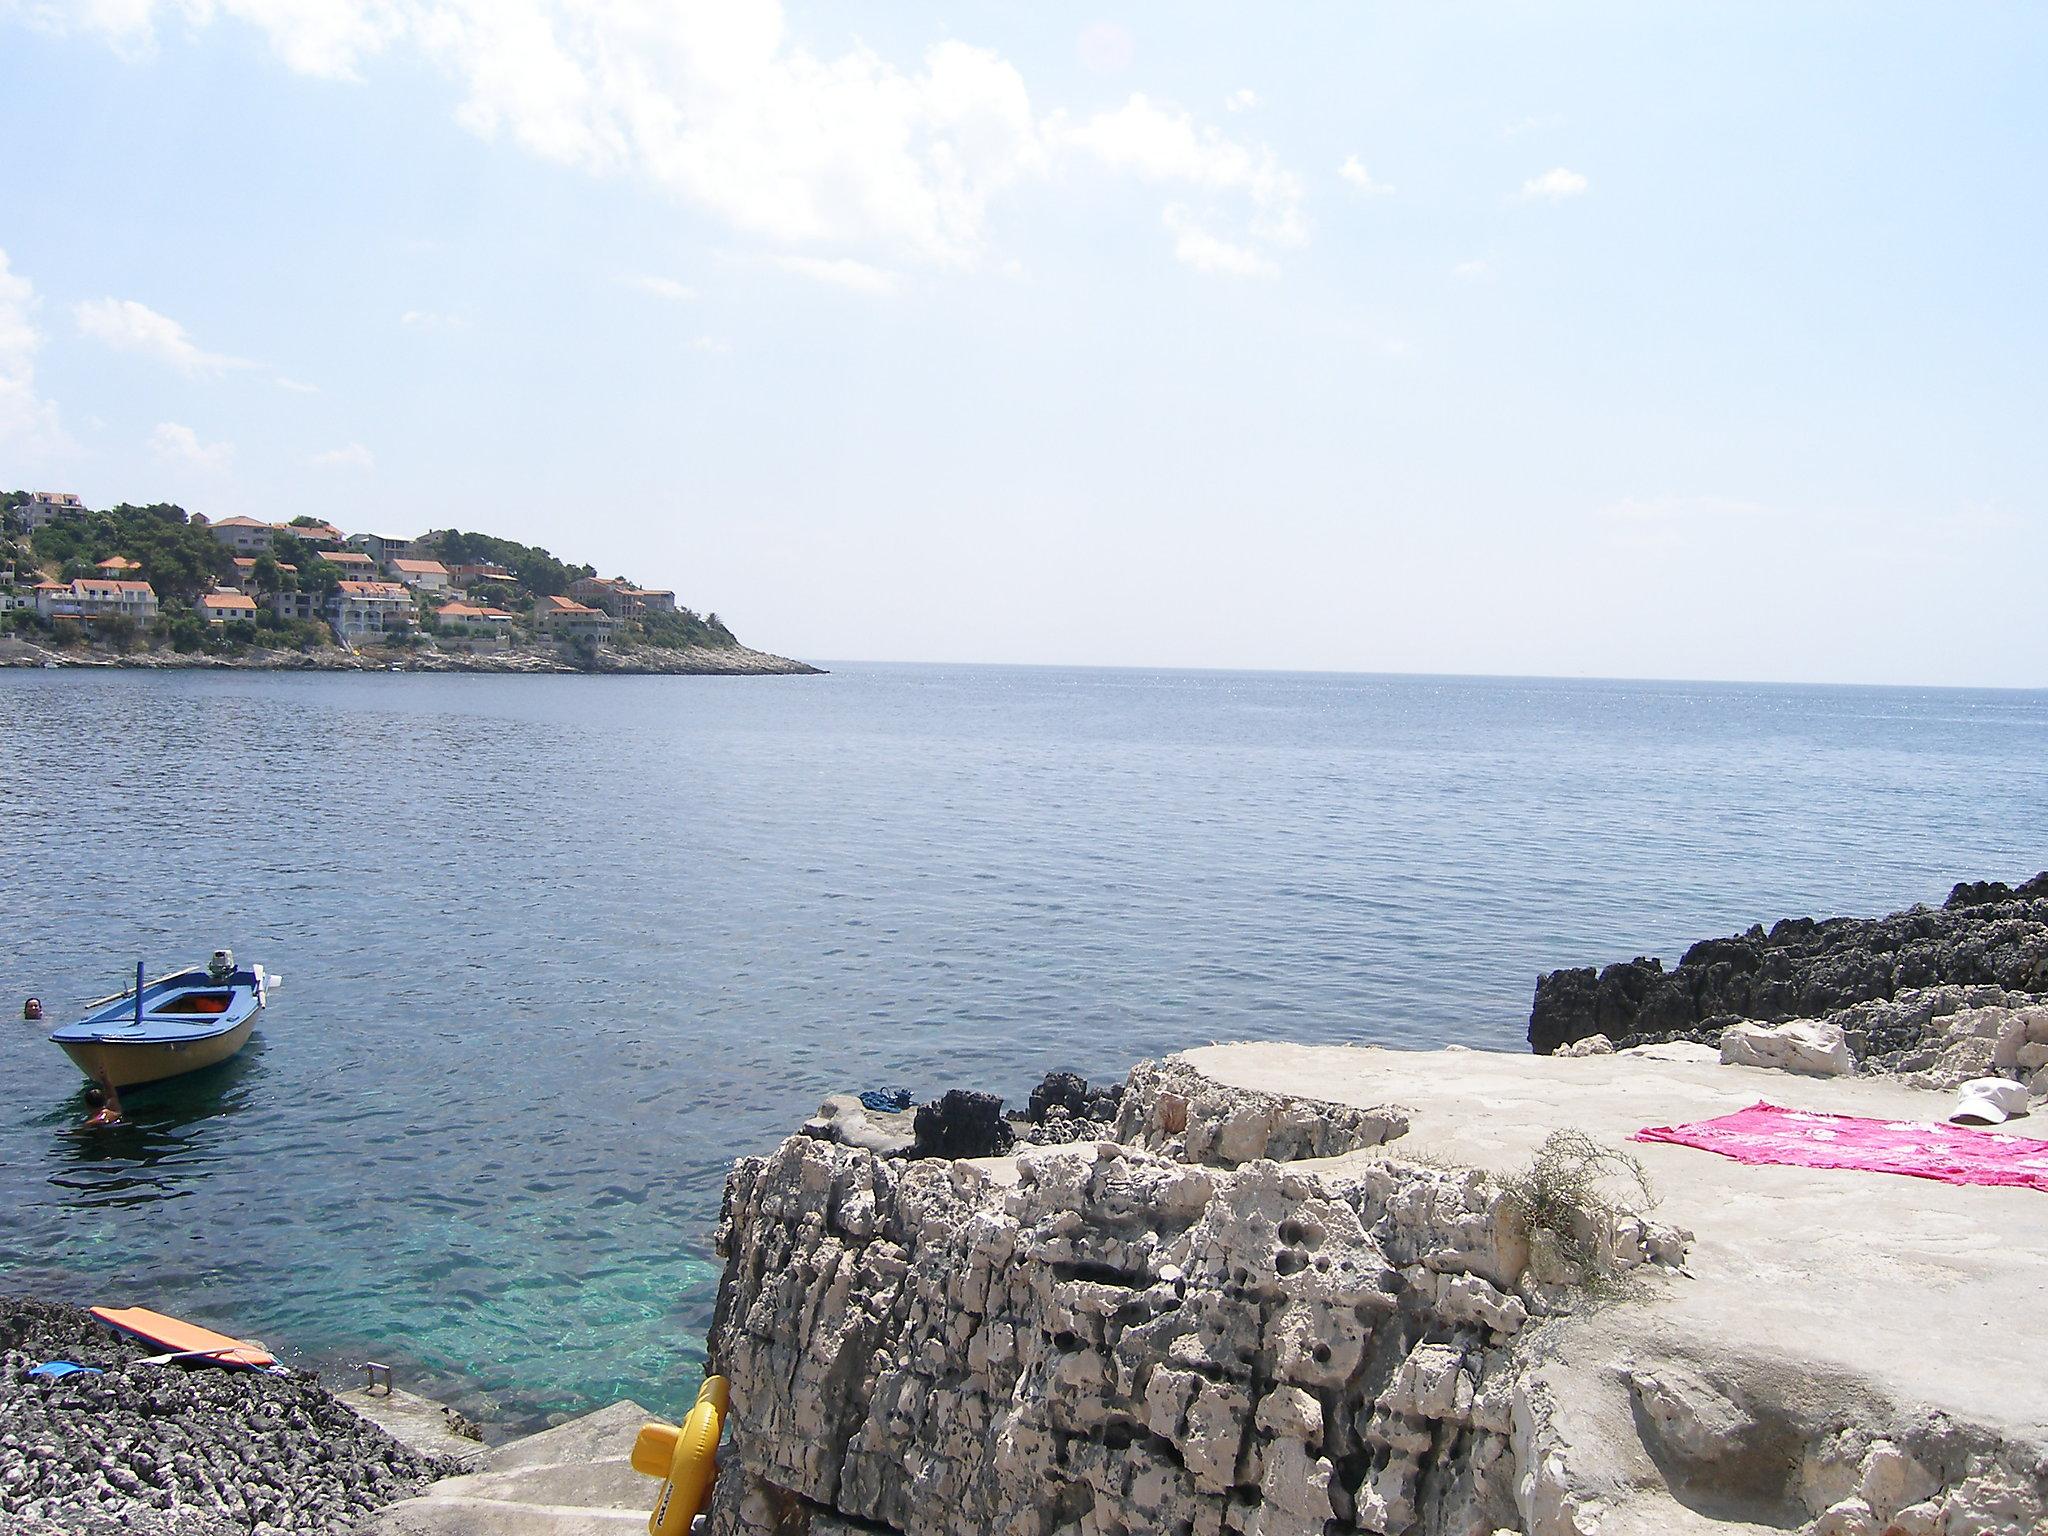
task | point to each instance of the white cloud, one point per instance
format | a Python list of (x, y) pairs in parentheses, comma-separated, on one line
[(181, 444), (28, 423), (713, 344), (841, 272), (353, 456), (1555, 185), (1206, 252), (662, 288), (1161, 143), (1243, 99), (1477, 270), (720, 106), (295, 386), (431, 320), (127, 326), (1353, 170)]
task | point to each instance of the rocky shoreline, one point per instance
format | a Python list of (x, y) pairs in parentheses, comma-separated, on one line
[(1272, 1290), (1265, 1289), (176, 1450), (701, 661), (1987, 934)]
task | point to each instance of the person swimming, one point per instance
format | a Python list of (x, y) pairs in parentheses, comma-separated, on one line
[(32, 1010), (105, 1105)]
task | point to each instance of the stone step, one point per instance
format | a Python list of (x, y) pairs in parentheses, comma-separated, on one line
[(431, 1515), (576, 1479)]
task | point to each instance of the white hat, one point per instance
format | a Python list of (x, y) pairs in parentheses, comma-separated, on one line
[(1989, 1101)]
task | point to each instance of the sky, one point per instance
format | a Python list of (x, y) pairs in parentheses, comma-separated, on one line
[(1684, 341)]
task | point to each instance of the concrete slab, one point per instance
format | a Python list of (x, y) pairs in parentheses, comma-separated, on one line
[(573, 1480), (1921, 1289), (415, 1421), (600, 1436), (488, 1517)]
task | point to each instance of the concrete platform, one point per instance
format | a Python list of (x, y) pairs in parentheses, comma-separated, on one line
[(418, 1422)]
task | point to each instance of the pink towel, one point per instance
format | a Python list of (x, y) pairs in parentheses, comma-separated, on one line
[(1764, 1133)]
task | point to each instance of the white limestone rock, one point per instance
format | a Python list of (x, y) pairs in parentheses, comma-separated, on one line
[(1811, 1046), (1170, 1107)]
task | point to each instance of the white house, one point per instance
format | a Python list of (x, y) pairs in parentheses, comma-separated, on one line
[(571, 620), (44, 508), (244, 535), (354, 565), (89, 598), (369, 610), (298, 603), (219, 607), (475, 626), (426, 575), (380, 547)]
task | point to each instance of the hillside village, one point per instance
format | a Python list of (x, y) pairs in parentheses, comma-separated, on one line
[(133, 579)]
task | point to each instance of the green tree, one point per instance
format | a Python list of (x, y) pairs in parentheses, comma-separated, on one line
[(117, 630)]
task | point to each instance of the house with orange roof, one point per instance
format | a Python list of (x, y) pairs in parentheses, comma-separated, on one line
[(425, 575), (568, 619), (219, 607), (245, 535), (119, 567), (620, 598), (370, 610), (90, 598), (380, 547), (470, 573), (45, 507), (468, 624), (354, 565)]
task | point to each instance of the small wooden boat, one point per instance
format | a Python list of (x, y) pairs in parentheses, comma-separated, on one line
[(175, 1024)]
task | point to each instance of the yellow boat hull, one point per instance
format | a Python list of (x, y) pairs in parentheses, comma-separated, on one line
[(131, 1065)]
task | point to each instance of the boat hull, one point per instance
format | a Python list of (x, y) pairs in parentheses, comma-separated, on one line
[(131, 1063)]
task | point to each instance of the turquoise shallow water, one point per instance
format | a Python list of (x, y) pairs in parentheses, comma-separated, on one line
[(557, 949)]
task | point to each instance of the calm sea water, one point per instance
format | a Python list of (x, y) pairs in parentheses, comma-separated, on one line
[(557, 949)]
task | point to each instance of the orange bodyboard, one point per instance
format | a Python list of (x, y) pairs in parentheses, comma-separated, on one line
[(175, 1336)]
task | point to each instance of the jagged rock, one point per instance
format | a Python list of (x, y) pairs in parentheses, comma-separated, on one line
[(1120, 1340), (1802, 1045), (844, 1119), (1168, 1106), (962, 1123), (178, 1451), (1592, 1045), (1986, 934)]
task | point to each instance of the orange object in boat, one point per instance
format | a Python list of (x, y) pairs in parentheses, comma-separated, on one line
[(183, 1338)]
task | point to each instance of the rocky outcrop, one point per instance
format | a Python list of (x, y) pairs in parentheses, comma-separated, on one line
[(1170, 1107), (1987, 934), (177, 1450), (1226, 1320), (1106, 1338), (1747, 1444)]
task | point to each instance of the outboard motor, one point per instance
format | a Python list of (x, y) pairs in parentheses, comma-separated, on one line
[(222, 965)]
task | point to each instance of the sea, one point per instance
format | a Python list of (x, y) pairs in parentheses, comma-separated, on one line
[(558, 949)]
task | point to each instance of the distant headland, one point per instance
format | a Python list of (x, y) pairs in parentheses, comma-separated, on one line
[(156, 586)]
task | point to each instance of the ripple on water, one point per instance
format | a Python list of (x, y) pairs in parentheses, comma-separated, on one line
[(558, 949)]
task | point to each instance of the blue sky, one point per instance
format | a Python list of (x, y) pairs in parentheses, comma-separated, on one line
[(1684, 341)]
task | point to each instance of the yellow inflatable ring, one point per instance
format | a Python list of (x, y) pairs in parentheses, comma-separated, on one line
[(685, 1457)]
